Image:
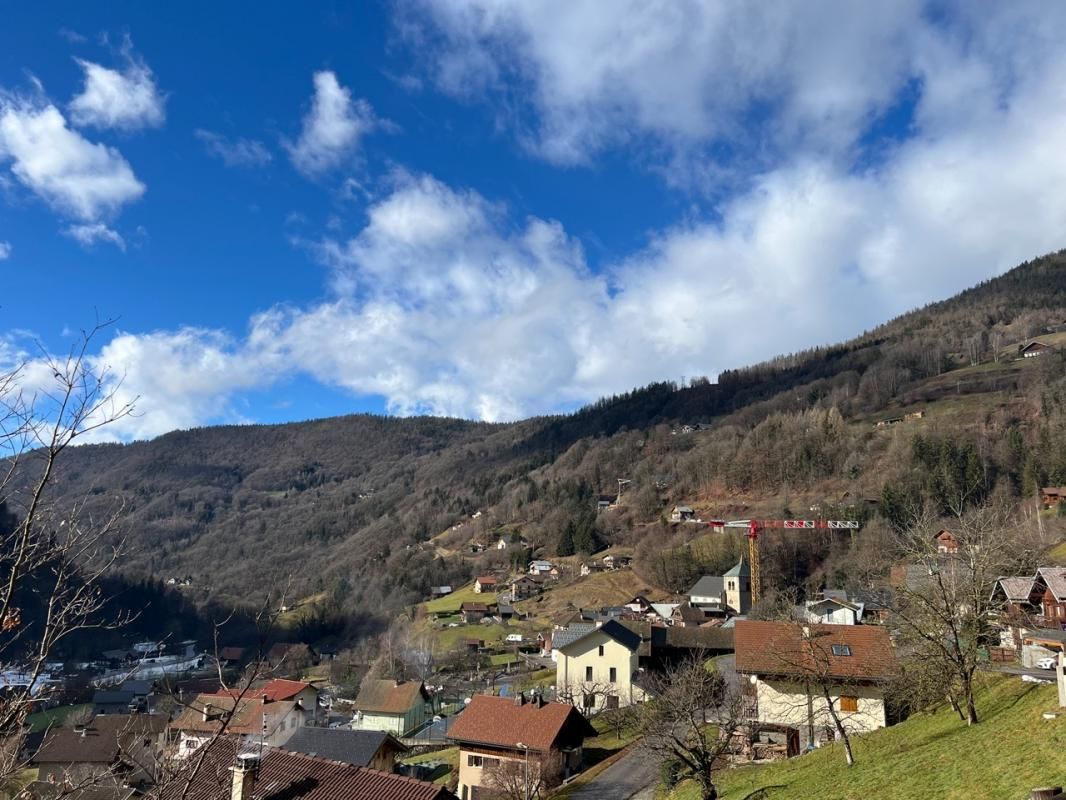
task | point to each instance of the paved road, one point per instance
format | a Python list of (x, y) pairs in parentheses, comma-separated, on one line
[(632, 777), (1043, 674)]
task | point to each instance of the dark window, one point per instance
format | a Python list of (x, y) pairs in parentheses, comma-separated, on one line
[(614, 675), (841, 650), (601, 649), (475, 761), (589, 701), (588, 673), (612, 702)]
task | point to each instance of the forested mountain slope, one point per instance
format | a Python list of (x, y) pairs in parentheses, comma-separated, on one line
[(348, 506)]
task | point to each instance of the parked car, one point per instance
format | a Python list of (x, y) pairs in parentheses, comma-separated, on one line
[(1048, 662)]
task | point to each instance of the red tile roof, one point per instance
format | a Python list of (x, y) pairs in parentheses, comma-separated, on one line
[(782, 648), (484, 580), (500, 721), (276, 689), (389, 697), (294, 776)]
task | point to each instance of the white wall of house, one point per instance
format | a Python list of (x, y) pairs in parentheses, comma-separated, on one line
[(588, 665), (785, 703), (831, 614)]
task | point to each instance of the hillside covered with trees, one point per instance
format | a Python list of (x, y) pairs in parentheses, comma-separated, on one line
[(370, 512)]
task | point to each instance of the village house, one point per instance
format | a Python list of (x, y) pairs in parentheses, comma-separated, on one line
[(686, 615), (1033, 349), (1053, 602), (708, 594), (590, 567), (832, 611), (485, 583), (474, 612), (596, 670), (255, 720), (116, 749), (639, 604), (304, 694), (617, 562), (540, 567), (228, 773), (606, 501), (1019, 597), (1052, 495), (946, 542), (524, 587), (440, 591), (374, 749), (682, 514), (397, 707), (502, 544), (497, 734), (781, 660)]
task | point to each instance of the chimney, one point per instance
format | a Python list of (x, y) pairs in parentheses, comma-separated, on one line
[(206, 713), (244, 772)]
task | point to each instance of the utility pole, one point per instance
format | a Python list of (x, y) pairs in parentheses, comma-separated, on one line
[(525, 771)]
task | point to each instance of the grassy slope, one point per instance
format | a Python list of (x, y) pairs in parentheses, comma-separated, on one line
[(1010, 752), (53, 717), (451, 602)]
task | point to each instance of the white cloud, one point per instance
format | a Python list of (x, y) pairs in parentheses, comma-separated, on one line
[(445, 303), (90, 233), (332, 128), (690, 81), (83, 179), (235, 152), (5, 250), (126, 99)]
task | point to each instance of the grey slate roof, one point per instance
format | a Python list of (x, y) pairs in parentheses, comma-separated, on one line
[(336, 744), (571, 633), (616, 631), (740, 570), (708, 586), (1055, 578)]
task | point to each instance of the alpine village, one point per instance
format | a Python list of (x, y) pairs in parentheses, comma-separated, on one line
[(802, 580)]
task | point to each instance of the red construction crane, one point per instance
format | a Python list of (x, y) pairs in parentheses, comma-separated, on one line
[(754, 526)]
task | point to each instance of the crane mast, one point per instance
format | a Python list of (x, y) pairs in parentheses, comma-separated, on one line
[(755, 526)]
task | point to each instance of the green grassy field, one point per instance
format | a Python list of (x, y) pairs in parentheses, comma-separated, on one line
[(448, 759), (1011, 751), (53, 716), (451, 602)]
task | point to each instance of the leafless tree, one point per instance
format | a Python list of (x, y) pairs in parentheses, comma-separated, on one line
[(52, 558), (684, 702), (943, 609), (509, 779)]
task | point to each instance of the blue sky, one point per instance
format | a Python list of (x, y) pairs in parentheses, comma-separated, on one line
[(494, 209)]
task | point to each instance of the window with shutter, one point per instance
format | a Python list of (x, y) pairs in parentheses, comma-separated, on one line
[(849, 704)]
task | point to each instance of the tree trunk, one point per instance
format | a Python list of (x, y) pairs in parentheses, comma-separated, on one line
[(708, 791), (971, 704), (956, 707)]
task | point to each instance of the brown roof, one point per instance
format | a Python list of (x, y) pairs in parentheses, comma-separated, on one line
[(246, 715), (379, 696), (474, 607), (295, 776), (485, 579), (503, 722), (231, 653), (782, 648), (105, 737)]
